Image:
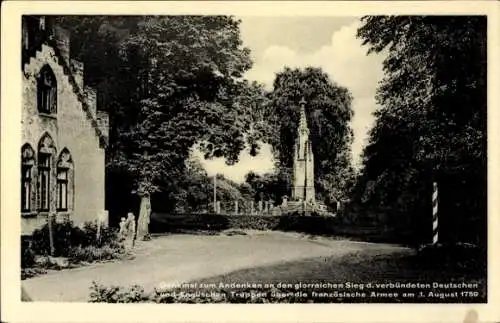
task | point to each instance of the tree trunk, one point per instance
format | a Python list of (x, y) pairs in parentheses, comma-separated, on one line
[(144, 216)]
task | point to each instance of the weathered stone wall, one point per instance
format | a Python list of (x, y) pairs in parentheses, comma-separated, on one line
[(91, 96), (299, 179), (310, 193), (103, 123), (69, 128)]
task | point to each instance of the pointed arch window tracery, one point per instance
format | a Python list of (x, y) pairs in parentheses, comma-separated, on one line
[(27, 169), (47, 91), (46, 153), (64, 181)]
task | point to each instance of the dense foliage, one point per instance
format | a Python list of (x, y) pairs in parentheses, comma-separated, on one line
[(431, 127), (168, 83), (75, 243), (328, 112), (67, 236)]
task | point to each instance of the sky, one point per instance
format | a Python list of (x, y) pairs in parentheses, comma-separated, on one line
[(326, 42)]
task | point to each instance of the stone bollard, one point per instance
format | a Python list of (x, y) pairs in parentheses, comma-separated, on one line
[(285, 201), (123, 230), (130, 230), (102, 222), (260, 206)]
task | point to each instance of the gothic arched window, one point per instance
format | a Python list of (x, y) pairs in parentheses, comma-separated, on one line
[(27, 163), (47, 91), (46, 153), (64, 181)]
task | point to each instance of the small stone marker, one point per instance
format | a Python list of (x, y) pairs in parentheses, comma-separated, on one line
[(285, 201), (102, 220), (123, 228), (130, 230)]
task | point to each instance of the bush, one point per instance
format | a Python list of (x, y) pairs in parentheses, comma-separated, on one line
[(135, 294), (67, 237), (78, 244), (32, 272), (27, 255), (108, 236), (115, 294), (93, 253), (253, 222)]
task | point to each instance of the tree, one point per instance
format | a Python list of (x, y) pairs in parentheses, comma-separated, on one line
[(432, 124), (266, 187), (328, 112), (187, 68), (252, 99), (174, 85)]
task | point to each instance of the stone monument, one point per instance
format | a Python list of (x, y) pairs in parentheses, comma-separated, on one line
[(303, 198), (303, 162)]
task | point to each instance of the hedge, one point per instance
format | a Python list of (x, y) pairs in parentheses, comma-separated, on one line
[(294, 222), (162, 222)]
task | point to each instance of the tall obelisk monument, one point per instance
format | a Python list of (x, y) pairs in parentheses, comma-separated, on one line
[(303, 162)]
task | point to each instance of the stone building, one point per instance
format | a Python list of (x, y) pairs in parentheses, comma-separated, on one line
[(64, 135)]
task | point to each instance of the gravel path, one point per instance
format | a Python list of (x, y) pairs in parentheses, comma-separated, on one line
[(183, 258)]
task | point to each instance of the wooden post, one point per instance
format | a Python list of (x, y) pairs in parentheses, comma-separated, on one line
[(435, 227)]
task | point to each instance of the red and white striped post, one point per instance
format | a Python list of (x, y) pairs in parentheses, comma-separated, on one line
[(435, 228)]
